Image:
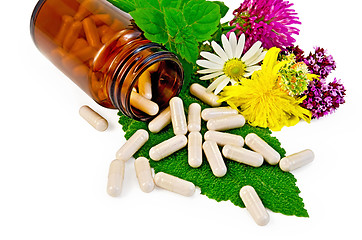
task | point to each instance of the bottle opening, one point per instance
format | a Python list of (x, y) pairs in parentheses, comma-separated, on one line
[(154, 88)]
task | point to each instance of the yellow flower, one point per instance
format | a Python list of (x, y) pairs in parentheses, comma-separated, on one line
[(261, 100)]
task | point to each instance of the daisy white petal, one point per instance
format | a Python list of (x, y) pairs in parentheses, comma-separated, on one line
[(227, 46), (210, 76), (215, 83), (240, 47), (253, 68), (250, 53), (208, 64), (259, 59), (248, 74), (233, 42), (221, 86), (208, 70), (233, 82), (211, 57), (253, 58), (219, 51)]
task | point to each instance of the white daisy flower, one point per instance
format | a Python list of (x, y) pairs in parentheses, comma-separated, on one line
[(228, 65)]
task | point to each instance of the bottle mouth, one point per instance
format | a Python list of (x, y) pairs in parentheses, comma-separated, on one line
[(166, 80)]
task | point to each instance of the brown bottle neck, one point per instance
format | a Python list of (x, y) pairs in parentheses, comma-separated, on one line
[(129, 66)]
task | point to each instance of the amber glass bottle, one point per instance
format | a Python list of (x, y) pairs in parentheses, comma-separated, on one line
[(96, 45)]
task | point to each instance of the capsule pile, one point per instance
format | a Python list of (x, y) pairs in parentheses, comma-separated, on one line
[(218, 119)]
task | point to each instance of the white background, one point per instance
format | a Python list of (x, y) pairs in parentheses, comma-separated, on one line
[(53, 165)]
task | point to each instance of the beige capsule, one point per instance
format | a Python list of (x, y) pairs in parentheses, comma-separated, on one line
[(194, 148), (166, 148), (93, 118), (143, 104), (117, 25), (72, 35), (222, 138), (84, 54), (134, 143), (210, 113), (91, 33), (194, 118), (161, 121), (80, 72), (83, 11), (58, 54), (226, 123), (66, 24), (101, 29), (296, 160), (243, 155), (145, 85), (144, 174), (200, 92), (214, 157), (79, 44), (254, 205), (178, 117), (70, 62), (154, 67), (100, 19), (106, 37), (115, 177), (260, 146), (174, 184)]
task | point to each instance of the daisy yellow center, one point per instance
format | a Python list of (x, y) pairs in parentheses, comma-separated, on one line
[(234, 69)]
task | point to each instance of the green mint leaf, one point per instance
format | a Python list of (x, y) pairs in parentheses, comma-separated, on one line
[(187, 46), (277, 189), (153, 4), (178, 24), (223, 8), (179, 4), (125, 5), (182, 35), (203, 17), (152, 22), (171, 3), (183, 3), (185, 43), (175, 21)]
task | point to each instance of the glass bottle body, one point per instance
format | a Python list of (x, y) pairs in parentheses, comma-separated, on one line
[(96, 45)]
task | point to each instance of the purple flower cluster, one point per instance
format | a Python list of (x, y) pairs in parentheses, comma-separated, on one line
[(320, 63), (298, 53), (268, 21), (324, 98)]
